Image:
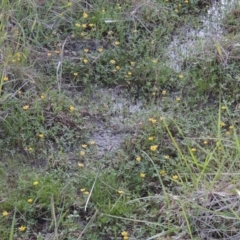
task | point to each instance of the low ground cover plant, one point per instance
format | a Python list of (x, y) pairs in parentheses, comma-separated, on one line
[(101, 137)]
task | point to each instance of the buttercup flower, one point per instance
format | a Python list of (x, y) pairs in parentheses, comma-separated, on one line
[(22, 228), (5, 79), (71, 108), (100, 49), (117, 43), (91, 142), (178, 99), (84, 26), (86, 50), (133, 63), (78, 25), (82, 153), (153, 148), (162, 172), (86, 192), (166, 157), (175, 177), (138, 159), (90, 24), (142, 175), (82, 189), (30, 200), (223, 107), (205, 142), (180, 76), (85, 60), (85, 15), (42, 96), (41, 135), (75, 74), (120, 192), (35, 183), (193, 149), (150, 138), (5, 213), (124, 233), (112, 61), (117, 67), (80, 165), (26, 107), (164, 92), (84, 145)]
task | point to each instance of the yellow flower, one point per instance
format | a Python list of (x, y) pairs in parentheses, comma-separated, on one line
[(125, 238), (26, 107), (82, 189), (30, 149), (90, 24), (103, 10), (152, 120), (142, 175), (42, 96), (124, 233), (75, 74), (49, 54), (78, 25), (41, 135), (176, 11), (84, 145), (69, 4), (153, 148), (22, 228), (162, 172), (85, 15), (230, 127), (166, 157), (175, 177), (85, 60), (193, 149), (71, 108), (86, 50), (133, 63), (164, 92), (129, 73), (5, 79), (222, 124), (112, 61), (30, 200), (84, 26), (100, 49), (35, 183), (150, 138), (117, 43), (81, 165), (5, 213), (223, 107), (57, 51), (82, 153), (228, 133), (205, 142), (83, 34), (86, 192), (180, 76), (91, 142), (178, 99), (117, 67), (120, 192), (138, 159)]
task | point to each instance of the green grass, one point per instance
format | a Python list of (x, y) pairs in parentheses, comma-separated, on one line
[(100, 138)]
